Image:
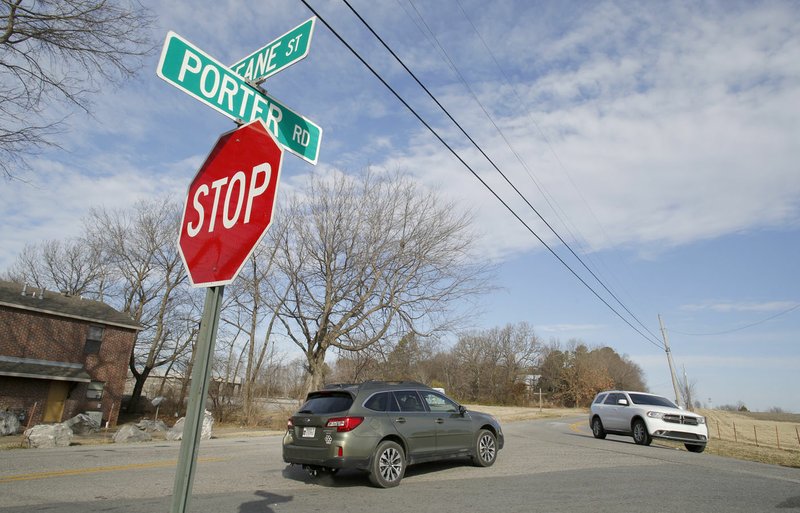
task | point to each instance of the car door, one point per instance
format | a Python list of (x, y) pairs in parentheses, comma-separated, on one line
[(453, 430), (414, 423), (612, 414)]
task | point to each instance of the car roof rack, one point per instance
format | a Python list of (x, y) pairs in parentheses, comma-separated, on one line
[(373, 383)]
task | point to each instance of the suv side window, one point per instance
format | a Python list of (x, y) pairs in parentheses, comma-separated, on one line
[(599, 398), (439, 403), (377, 402), (409, 401), (612, 399)]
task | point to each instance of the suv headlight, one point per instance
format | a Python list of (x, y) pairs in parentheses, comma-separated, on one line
[(701, 420), (655, 414)]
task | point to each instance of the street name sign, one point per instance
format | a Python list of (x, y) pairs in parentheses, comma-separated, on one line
[(277, 55), (229, 204), (199, 75)]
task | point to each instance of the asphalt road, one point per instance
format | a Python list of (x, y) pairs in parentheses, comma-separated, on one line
[(546, 466)]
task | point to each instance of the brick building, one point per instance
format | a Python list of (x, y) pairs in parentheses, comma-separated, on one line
[(61, 355)]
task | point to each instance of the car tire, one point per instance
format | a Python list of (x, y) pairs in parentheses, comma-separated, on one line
[(485, 449), (640, 434), (388, 465), (695, 447), (597, 428)]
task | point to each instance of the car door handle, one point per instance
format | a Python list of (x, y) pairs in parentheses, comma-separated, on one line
[(440, 421), (400, 420)]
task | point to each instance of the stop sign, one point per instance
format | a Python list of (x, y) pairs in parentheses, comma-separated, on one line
[(229, 205)]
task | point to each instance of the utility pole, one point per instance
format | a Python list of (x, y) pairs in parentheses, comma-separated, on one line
[(669, 359)]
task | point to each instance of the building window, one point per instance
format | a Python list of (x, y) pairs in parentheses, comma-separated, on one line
[(93, 340), (95, 390)]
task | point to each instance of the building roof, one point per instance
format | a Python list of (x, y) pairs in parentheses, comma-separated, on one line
[(16, 295), (42, 369)]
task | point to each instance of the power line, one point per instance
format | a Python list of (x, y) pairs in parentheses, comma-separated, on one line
[(740, 328), (471, 170), (489, 159)]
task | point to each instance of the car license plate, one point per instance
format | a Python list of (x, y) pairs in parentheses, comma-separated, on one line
[(309, 432)]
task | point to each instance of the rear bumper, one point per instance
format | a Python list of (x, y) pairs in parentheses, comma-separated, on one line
[(325, 456)]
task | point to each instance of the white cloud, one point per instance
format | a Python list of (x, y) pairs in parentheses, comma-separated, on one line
[(691, 135)]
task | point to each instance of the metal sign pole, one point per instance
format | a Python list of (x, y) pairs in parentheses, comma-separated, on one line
[(204, 354)]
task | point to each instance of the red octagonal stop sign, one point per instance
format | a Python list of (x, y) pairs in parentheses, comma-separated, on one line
[(229, 205)]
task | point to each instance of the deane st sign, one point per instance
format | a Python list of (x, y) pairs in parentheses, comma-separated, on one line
[(196, 73), (277, 55)]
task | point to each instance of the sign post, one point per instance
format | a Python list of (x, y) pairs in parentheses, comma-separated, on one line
[(228, 209), (230, 202), (195, 410)]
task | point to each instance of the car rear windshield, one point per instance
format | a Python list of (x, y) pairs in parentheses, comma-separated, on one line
[(327, 402), (653, 400)]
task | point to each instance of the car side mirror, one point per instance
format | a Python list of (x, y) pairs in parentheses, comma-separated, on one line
[(622, 402), (462, 410)]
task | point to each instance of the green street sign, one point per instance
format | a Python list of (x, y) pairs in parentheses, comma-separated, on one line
[(199, 75), (277, 55)]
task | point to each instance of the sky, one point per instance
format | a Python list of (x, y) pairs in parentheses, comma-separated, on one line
[(661, 141)]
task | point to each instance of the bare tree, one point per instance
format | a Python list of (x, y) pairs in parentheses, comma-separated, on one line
[(493, 364), (60, 51), (367, 258), (254, 300), (149, 281), (74, 267)]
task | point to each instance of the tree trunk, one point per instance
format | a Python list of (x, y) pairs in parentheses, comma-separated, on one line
[(316, 368), (136, 395)]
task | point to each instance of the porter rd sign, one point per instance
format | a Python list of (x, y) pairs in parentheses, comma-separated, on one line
[(277, 55), (201, 76), (229, 205)]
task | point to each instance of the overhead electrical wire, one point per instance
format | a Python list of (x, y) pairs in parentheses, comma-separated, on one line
[(561, 165), (489, 159), (505, 139), (740, 328), (474, 173)]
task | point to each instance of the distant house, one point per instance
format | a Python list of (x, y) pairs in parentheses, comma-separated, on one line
[(61, 355)]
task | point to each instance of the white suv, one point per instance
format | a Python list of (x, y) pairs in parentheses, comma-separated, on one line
[(644, 417)]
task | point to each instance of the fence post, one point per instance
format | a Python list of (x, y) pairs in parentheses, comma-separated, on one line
[(777, 436), (798, 435), (755, 435), (718, 435), (735, 437)]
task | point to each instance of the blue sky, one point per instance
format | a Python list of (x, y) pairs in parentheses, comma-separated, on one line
[(662, 141)]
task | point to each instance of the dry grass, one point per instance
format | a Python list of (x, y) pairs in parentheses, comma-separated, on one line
[(747, 428)]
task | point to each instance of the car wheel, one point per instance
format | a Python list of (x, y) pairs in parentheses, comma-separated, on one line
[(640, 434), (485, 449), (597, 428), (388, 465), (695, 448)]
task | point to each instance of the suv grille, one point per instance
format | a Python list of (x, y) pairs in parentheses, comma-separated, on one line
[(681, 419)]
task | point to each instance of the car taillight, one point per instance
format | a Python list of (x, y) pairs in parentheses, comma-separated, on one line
[(289, 424), (344, 424)]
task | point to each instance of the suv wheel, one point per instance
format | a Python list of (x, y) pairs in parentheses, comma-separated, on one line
[(640, 434), (597, 428), (485, 449), (388, 465)]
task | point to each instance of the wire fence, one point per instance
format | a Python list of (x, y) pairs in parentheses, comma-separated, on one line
[(779, 435)]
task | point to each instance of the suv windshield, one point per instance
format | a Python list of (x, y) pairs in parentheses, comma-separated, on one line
[(327, 402), (652, 400)]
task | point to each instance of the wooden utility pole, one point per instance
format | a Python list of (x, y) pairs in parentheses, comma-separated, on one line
[(671, 364)]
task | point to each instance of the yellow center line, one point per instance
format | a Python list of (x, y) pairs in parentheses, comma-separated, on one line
[(93, 470), (576, 426)]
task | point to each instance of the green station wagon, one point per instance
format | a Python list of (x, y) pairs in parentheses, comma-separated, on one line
[(382, 427)]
